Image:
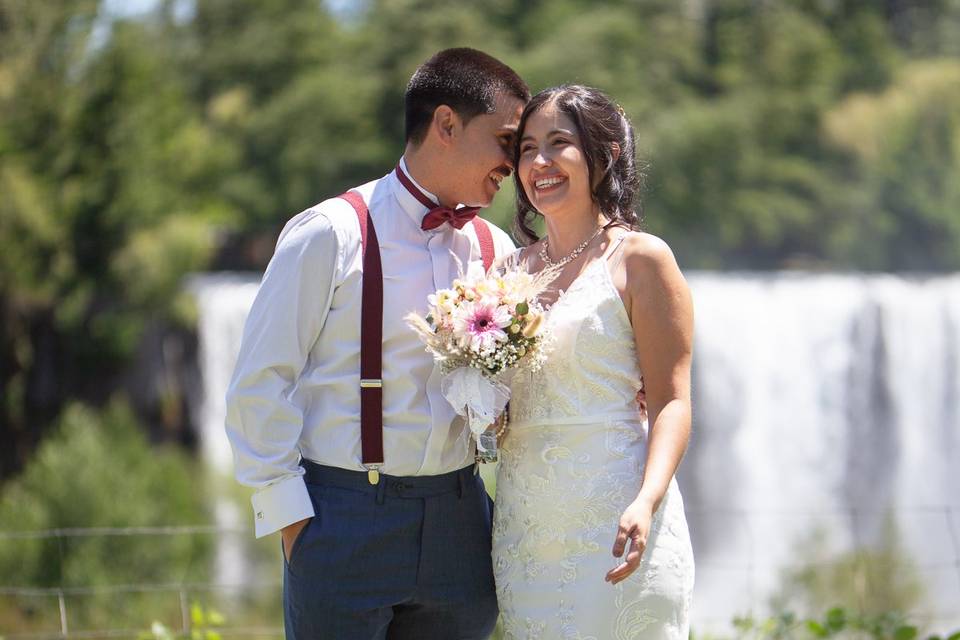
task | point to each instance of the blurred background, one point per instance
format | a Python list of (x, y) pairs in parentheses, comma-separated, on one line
[(803, 162)]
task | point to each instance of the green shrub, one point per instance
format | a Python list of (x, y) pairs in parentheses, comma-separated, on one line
[(835, 623), (98, 470)]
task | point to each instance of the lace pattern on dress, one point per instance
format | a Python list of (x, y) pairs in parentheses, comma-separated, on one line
[(567, 471), (593, 360)]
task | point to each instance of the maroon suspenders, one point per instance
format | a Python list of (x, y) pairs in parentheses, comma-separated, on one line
[(485, 238), (371, 332), (371, 341)]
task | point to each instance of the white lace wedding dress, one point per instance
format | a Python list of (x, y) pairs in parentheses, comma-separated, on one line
[(571, 462)]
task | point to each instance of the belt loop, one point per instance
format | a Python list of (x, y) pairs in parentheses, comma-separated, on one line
[(381, 489), (460, 484)]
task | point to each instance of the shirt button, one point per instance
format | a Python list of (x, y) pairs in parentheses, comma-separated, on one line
[(259, 515)]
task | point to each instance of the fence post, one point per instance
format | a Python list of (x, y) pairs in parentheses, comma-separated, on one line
[(954, 538), (63, 612), (184, 613), (61, 600), (751, 559)]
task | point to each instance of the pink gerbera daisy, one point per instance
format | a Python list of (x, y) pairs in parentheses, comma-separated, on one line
[(479, 325)]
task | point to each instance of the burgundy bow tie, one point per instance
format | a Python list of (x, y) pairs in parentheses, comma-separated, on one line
[(456, 217), (437, 214)]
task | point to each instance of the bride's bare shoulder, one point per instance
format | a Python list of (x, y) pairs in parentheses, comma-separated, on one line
[(650, 266), (639, 246)]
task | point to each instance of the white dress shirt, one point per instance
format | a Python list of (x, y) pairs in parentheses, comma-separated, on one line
[(295, 390)]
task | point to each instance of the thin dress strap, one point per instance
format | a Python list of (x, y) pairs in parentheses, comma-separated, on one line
[(614, 259), (509, 261), (616, 248)]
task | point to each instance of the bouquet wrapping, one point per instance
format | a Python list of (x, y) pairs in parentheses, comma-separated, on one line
[(482, 330)]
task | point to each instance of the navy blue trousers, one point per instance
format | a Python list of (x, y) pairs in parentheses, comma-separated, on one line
[(406, 559)]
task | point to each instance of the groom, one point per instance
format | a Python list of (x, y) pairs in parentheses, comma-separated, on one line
[(334, 411)]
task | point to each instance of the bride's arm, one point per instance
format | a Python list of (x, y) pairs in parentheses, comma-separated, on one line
[(661, 313)]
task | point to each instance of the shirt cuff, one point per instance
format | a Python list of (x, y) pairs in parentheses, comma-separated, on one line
[(280, 504)]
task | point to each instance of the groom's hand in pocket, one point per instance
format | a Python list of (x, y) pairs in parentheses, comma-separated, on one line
[(289, 534), (634, 527)]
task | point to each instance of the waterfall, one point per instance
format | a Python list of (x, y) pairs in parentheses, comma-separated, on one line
[(223, 301), (827, 402), (821, 402)]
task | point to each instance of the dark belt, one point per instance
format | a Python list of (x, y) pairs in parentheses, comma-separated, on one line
[(391, 486)]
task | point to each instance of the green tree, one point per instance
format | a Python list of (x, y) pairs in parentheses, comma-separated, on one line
[(104, 164), (98, 470), (904, 145)]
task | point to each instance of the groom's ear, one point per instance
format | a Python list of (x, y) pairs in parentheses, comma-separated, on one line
[(445, 123)]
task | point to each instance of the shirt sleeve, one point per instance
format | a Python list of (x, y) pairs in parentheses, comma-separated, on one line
[(262, 423)]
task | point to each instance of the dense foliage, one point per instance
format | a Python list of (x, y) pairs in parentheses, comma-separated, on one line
[(838, 623), (96, 469)]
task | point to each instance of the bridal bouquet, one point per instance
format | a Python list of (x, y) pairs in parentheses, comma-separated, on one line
[(481, 330)]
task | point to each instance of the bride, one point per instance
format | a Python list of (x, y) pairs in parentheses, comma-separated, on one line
[(583, 478)]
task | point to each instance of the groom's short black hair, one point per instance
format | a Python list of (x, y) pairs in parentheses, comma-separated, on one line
[(466, 80)]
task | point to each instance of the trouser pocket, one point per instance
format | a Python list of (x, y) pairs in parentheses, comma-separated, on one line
[(296, 543)]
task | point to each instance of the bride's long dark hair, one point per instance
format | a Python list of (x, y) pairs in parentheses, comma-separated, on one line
[(600, 123)]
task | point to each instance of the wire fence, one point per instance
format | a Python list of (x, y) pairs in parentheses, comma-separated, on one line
[(855, 515), (946, 564), (184, 592)]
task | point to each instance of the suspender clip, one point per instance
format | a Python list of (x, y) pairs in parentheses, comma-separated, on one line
[(371, 383), (373, 473)]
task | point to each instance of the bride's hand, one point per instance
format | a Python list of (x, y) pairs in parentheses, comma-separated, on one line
[(634, 526)]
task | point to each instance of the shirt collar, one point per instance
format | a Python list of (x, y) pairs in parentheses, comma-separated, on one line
[(408, 202)]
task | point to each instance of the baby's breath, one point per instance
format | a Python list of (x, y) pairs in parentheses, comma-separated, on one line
[(494, 338)]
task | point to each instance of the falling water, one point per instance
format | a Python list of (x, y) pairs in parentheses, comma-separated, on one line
[(223, 301), (821, 402), (827, 402)]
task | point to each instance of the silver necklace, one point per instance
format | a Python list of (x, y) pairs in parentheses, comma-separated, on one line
[(570, 256)]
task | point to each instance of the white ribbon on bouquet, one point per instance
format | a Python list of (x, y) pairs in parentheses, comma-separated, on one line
[(475, 396)]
